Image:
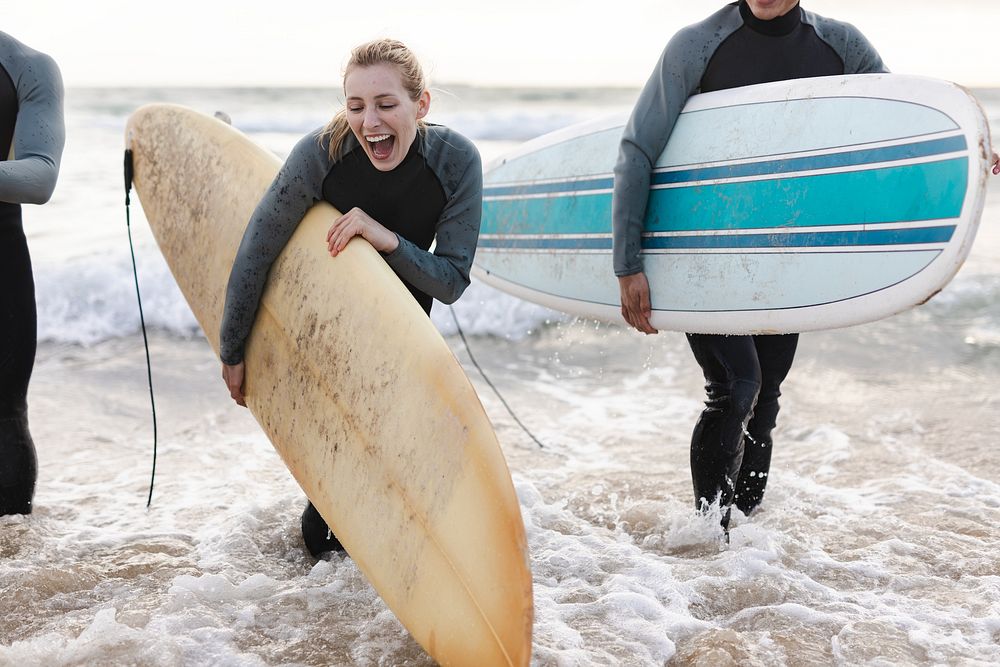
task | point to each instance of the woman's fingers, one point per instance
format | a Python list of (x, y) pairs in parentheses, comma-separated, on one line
[(358, 223), (344, 229), (233, 377)]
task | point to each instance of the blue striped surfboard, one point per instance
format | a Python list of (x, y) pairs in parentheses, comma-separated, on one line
[(791, 206)]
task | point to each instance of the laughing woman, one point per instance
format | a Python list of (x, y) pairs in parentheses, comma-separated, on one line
[(403, 185)]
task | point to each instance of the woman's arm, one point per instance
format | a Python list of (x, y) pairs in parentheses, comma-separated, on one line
[(444, 274), (294, 190)]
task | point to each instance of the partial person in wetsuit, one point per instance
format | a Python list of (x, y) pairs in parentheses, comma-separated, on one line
[(31, 143), (404, 185), (744, 43)]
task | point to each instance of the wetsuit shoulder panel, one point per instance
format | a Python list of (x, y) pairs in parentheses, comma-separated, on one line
[(858, 54)]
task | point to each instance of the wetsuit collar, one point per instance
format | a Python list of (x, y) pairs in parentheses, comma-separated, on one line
[(776, 27)]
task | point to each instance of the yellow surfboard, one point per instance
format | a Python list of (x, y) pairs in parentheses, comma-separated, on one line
[(358, 392)]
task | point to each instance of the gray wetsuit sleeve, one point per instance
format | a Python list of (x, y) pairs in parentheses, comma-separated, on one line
[(29, 177), (294, 190), (444, 273), (858, 54), (676, 77)]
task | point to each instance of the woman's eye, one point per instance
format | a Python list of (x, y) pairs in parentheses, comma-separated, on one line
[(387, 107), (355, 109)]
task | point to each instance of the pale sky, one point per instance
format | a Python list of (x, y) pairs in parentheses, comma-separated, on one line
[(514, 42)]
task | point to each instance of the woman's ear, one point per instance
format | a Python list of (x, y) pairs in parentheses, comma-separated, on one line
[(423, 104)]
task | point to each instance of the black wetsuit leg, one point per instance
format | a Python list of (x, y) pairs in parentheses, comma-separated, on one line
[(775, 355), (317, 535), (736, 369), (18, 463)]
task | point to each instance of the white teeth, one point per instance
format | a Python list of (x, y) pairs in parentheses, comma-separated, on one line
[(377, 137)]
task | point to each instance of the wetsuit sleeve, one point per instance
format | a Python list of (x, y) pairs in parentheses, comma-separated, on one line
[(294, 190), (444, 274), (676, 77), (39, 133)]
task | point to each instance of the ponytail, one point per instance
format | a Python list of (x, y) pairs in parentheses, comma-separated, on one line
[(335, 132)]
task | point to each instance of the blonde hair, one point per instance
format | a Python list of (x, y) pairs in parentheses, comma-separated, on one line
[(376, 52)]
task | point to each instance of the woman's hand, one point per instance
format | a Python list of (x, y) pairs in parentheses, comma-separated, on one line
[(358, 223), (233, 375), (996, 164)]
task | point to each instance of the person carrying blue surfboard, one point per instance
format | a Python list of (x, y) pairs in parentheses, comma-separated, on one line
[(402, 184), (32, 135), (744, 43)]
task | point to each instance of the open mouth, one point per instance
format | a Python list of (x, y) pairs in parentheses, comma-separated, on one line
[(381, 145)]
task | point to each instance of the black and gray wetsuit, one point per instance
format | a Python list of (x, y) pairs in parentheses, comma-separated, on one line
[(743, 373), (31, 143), (433, 196)]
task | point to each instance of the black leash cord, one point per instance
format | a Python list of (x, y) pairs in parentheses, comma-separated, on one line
[(496, 391), (142, 319)]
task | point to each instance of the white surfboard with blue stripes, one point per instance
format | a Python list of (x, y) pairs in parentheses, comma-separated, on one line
[(783, 207)]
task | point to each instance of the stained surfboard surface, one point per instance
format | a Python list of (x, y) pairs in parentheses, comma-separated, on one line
[(782, 207), (358, 393)]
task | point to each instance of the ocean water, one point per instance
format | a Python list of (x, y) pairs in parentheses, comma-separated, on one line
[(876, 544)]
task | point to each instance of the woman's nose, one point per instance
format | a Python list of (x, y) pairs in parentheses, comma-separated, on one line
[(371, 117)]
